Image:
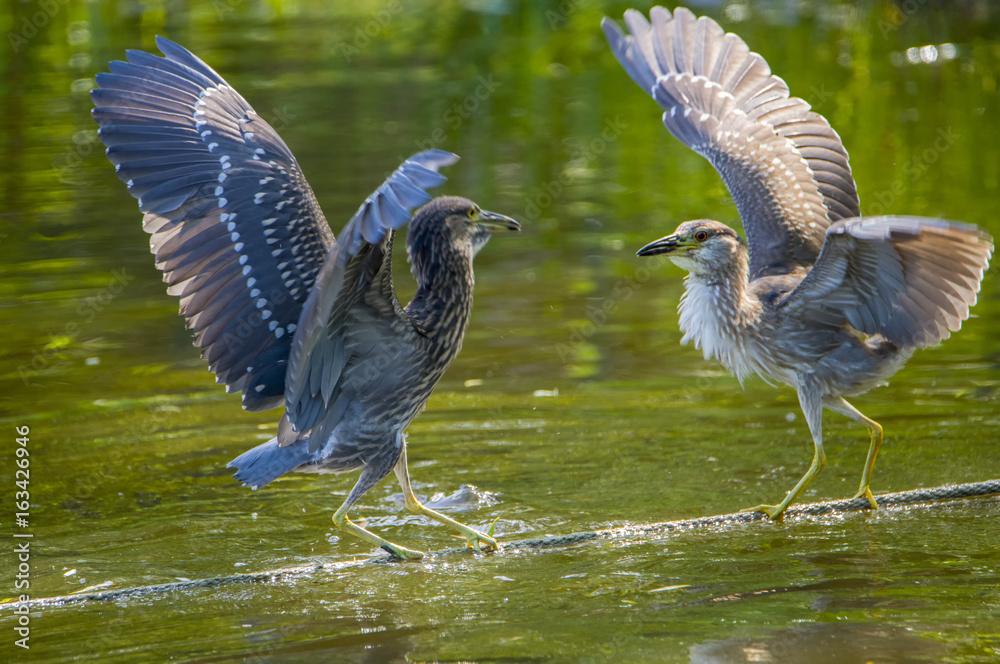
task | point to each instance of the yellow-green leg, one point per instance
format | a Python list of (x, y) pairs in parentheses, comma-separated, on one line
[(841, 406), (345, 524), (812, 407), (776, 511), (473, 537), (372, 474)]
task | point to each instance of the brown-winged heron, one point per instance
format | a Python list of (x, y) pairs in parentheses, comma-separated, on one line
[(282, 312), (817, 298)]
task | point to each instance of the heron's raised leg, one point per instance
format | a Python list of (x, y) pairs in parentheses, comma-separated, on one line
[(812, 408), (841, 406), (472, 536), (370, 476)]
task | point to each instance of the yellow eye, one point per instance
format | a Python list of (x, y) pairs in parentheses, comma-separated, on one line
[(473, 213), (701, 236)]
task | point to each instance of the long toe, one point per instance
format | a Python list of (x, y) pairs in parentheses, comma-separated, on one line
[(401, 552), (773, 512), (480, 541), (866, 492), (397, 551)]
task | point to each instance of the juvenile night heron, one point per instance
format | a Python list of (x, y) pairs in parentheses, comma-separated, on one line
[(821, 300), (282, 312)]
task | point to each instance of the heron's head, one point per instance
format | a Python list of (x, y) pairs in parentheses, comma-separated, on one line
[(451, 228), (702, 247)]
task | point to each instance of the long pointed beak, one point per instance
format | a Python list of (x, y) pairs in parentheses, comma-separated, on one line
[(494, 222), (664, 245)]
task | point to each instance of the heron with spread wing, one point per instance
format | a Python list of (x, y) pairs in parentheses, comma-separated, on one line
[(816, 298), (284, 313)]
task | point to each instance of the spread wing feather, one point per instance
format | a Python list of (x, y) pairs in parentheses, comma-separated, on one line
[(785, 167), (909, 279), (235, 227)]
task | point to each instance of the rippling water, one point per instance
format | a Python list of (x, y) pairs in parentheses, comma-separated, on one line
[(572, 407)]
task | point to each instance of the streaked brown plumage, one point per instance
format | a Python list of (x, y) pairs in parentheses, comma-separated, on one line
[(817, 298), (284, 313)]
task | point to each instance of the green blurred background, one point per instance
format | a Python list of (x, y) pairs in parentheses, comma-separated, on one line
[(558, 416)]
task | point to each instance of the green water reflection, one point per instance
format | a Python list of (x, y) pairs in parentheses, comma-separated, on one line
[(563, 418)]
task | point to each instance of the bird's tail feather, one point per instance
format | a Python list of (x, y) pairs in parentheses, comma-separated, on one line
[(267, 462)]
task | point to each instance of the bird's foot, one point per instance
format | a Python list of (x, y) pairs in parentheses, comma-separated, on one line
[(773, 512), (865, 492), (477, 541), (397, 551), (401, 552)]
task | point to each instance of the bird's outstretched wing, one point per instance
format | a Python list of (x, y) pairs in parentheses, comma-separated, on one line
[(783, 164), (235, 227), (353, 331), (910, 279)]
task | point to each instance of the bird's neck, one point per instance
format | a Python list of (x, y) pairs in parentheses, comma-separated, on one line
[(442, 304), (716, 312)]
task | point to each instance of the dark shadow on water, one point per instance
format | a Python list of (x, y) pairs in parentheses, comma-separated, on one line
[(825, 643)]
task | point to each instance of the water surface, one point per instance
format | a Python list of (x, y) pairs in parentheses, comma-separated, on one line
[(572, 407)]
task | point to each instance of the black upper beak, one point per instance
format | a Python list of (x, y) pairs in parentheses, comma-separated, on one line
[(662, 246), (494, 222)]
